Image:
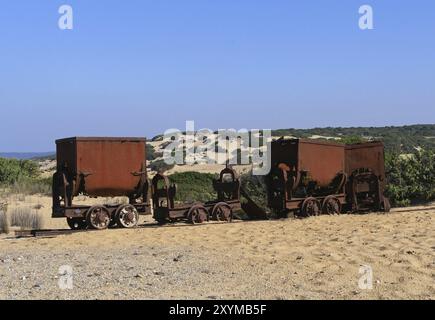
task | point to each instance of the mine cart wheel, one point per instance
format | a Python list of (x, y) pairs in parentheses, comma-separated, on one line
[(127, 216), (76, 223), (331, 205), (198, 214), (222, 212), (386, 206), (310, 207), (98, 217)]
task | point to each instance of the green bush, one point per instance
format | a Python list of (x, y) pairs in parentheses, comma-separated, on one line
[(194, 186), (22, 177), (411, 178), (255, 187), (150, 152), (12, 170)]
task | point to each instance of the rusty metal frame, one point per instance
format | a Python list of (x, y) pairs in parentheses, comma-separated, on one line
[(165, 209)]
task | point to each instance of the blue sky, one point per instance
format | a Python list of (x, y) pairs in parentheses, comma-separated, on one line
[(137, 68)]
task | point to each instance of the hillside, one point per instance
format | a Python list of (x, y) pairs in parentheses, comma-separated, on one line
[(401, 139)]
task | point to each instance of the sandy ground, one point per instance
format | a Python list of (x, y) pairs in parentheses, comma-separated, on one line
[(315, 258)]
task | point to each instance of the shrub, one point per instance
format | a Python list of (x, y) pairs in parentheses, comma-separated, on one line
[(255, 187), (12, 170), (21, 177), (410, 178), (194, 186), (26, 218), (150, 152), (4, 219)]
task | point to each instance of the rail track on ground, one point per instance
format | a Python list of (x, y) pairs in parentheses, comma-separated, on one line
[(60, 232)]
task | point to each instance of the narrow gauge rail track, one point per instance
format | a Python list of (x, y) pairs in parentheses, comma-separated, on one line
[(59, 232)]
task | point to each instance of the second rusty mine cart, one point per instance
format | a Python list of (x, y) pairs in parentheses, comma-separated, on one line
[(307, 177), (365, 168)]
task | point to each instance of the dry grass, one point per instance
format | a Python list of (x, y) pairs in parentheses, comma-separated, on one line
[(26, 218), (4, 219), (32, 186)]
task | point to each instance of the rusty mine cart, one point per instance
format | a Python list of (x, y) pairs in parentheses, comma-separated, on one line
[(365, 168), (227, 188), (100, 167), (310, 178)]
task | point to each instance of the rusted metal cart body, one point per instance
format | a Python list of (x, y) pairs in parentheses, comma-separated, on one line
[(365, 167), (100, 167), (307, 177), (227, 187)]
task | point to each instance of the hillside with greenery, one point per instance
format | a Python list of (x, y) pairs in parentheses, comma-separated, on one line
[(403, 139), (411, 179), (22, 177), (193, 186)]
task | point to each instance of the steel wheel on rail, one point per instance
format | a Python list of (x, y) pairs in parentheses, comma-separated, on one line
[(310, 207), (76, 223), (222, 212), (331, 205), (98, 217), (127, 216), (198, 214)]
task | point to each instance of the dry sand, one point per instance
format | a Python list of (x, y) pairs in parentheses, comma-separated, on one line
[(315, 258)]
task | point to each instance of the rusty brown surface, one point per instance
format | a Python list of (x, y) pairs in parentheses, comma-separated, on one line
[(322, 160), (103, 166), (304, 168), (365, 167), (366, 155)]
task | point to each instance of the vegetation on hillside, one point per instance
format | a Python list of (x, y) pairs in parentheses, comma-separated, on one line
[(403, 139), (255, 187), (411, 179), (22, 176), (193, 186), (150, 152), (12, 170)]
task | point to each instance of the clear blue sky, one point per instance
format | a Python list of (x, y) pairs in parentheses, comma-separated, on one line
[(136, 68)]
